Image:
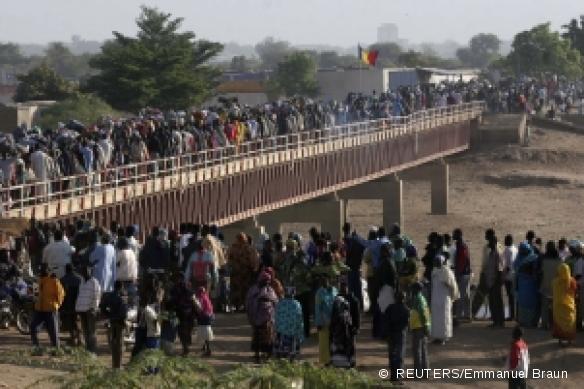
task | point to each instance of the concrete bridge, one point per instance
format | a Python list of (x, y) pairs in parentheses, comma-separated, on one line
[(302, 177)]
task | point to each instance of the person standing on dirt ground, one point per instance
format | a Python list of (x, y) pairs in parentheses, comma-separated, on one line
[(86, 306), (493, 270), (420, 325), (397, 325), (548, 268), (518, 361), (70, 283), (482, 291), (49, 299), (462, 273), (114, 307), (509, 255)]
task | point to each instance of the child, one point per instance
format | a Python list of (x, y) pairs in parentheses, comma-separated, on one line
[(518, 361), (205, 316), (289, 326), (420, 324)]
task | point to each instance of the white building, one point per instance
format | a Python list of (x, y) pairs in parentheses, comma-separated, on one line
[(337, 84)]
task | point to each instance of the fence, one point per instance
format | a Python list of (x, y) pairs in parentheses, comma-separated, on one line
[(128, 181)]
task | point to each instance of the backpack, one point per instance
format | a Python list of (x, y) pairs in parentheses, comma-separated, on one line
[(200, 270)]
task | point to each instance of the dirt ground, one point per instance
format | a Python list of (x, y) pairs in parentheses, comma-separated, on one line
[(511, 189)]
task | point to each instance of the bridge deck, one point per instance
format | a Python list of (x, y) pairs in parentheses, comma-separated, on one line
[(80, 195)]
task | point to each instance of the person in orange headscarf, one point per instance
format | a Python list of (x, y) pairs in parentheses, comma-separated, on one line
[(564, 305), (243, 263)]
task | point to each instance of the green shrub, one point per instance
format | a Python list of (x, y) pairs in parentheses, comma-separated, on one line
[(83, 107), (85, 371)]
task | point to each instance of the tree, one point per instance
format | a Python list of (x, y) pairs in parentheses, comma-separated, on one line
[(272, 52), (160, 67), (574, 32), (65, 63), (482, 50), (42, 83), (296, 75), (540, 50), (10, 54)]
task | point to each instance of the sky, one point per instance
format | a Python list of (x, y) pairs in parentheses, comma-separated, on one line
[(335, 22)]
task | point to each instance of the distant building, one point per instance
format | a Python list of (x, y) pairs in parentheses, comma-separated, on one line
[(247, 92), (387, 32), (337, 84)]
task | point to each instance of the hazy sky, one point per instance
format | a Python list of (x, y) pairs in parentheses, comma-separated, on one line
[(337, 22)]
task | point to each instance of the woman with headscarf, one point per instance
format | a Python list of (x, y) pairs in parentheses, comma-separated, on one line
[(564, 305), (243, 262), (261, 304), (444, 292), (342, 334), (525, 267), (275, 283)]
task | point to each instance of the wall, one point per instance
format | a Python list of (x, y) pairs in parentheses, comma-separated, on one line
[(336, 85), (243, 98), (393, 79), (8, 119)]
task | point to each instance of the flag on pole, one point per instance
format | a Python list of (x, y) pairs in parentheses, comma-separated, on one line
[(369, 57)]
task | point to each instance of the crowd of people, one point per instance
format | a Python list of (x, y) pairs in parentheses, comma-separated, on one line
[(73, 149), (286, 285)]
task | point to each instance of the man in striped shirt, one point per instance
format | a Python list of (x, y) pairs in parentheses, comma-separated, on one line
[(86, 306)]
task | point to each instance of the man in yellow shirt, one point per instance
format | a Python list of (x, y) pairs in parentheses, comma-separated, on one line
[(47, 303)]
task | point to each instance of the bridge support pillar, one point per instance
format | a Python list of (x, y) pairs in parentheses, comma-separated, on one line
[(250, 226), (328, 211), (389, 189), (439, 188)]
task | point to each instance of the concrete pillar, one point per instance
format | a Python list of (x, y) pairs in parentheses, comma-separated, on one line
[(475, 132), (328, 211), (393, 202), (389, 189), (250, 226), (440, 185)]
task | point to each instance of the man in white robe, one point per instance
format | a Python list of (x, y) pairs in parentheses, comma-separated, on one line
[(444, 292)]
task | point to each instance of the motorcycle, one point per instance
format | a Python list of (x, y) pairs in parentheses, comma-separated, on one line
[(16, 306)]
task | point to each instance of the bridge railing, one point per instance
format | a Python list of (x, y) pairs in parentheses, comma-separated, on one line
[(40, 192)]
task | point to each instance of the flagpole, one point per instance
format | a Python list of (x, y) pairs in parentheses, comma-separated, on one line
[(360, 74)]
